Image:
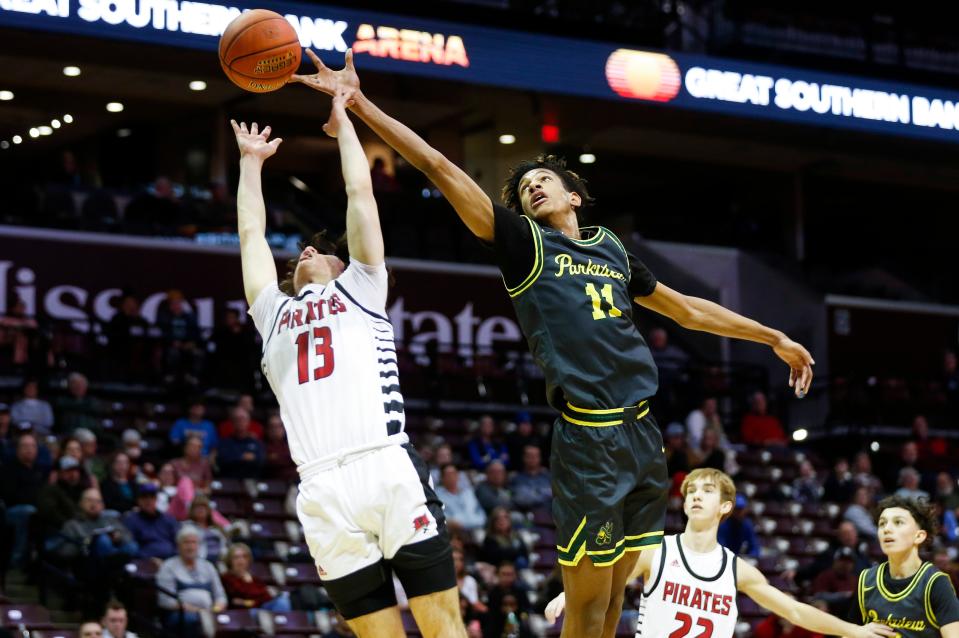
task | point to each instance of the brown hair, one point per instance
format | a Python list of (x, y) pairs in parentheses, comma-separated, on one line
[(920, 510), (234, 548), (323, 245), (727, 489), (572, 182)]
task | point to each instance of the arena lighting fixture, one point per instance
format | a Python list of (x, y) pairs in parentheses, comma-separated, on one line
[(34, 132), (17, 139), (114, 107), (874, 446), (4, 144), (800, 434), (198, 85), (55, 123), (587, 158), (124, 132), (45, 130), (507, 139), (68, 118), (6, 96), (71, 71)]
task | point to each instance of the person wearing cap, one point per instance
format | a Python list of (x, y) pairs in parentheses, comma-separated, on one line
[(20, 483), (738, 532), (58, 502), (154, 531)]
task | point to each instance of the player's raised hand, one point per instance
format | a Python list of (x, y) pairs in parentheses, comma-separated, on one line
[(875, 630), (254, 142), (338, 117), (555, 608), (329, 81), (800, 364)]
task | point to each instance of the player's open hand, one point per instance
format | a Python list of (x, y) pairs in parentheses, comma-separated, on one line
[(800, 364), (875, 630), (338, 117), (254, 142), (555, 608), (331, 82)]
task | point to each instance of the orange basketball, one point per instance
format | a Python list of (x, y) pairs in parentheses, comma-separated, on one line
[(259, 51)]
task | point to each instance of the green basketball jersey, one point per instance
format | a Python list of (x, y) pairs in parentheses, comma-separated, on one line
[(576, 312), (910, 612)]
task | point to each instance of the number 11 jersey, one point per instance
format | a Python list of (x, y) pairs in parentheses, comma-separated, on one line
[(330, 358), (689, 595)]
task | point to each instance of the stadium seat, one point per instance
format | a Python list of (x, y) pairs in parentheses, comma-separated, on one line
[(228, 487), (53, 633), (235, 622), (268, 508), (295, 574), (291, 623), (29, 615), (273, 488), (230, 506), (142, 568)]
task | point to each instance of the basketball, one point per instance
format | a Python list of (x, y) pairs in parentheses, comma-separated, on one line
[(259, 51)]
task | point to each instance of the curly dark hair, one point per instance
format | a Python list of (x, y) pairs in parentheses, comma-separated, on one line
[(572, 182), (921, 510), (323, 245)]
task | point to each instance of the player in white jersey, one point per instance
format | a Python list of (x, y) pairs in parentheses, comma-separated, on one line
[(365, 502), (690, 582)]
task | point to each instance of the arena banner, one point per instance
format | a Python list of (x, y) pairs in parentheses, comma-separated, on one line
[(441, 49), (76, 277)]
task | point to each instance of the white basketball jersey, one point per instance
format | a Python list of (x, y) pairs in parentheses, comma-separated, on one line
[(689, 595), (330, 359)]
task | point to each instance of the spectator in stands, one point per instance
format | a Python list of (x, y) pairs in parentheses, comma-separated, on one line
[(677, 453), (836, 584), (167, 481), (90, 629), (839, 485), (483, 449), (950, 382), (946, 493), (226, 427), (759, 427), (502, 543), (155, 210), (846, 538), (58, 502), (442, 458), (806, 487), (91, 461), (33, 409), (234, 353), (279, 464), (524, 434), (243, 590), (737, 533), (933, 451), (493, 492), (507, 585), (467, 585), (702, 418), (119, 492), (78, 409), (182, 352), (17, 331), (772, 626), (195, 424), (193, 465), (859, 512), (115, 621), (7, 448), (127, 333), (667, 356), (460, 504), (943, 562), (908, 457), (195, 583), (131, 444), (862, 475), (213, 543), (241, 455), (154, 532), (531, 486), (71, 447), (383, 181), (909, 485), (710, 454), (20, 487), (95, 532)]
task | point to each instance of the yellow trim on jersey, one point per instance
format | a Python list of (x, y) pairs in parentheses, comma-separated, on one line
[(537, 261), (930, 613), (613, 236), (905, 592), (862, 593), (579, 529), (603, 424), (592, 241)]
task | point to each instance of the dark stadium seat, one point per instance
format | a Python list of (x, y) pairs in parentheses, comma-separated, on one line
[(268, 508), (228, 487), (230, 506), (292, 623), (300, 574), (273, 488), (53, 633), (142, 568), (262, 571), (30, 615), (235, 622), (273, 530)]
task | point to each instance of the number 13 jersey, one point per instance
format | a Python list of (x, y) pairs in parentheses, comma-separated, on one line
[(691, 595), (330, 358)]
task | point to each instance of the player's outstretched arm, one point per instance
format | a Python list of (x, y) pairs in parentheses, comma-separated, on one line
[(950, 631), (754, 584), (363, 233), (700, 314), (259, 269), (470, 202)]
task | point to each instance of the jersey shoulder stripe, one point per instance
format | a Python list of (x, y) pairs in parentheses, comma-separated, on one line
[(358, 304), (659, 573)]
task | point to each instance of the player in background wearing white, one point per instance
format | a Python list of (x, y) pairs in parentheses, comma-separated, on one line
[(365, 502), (690, 582)]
